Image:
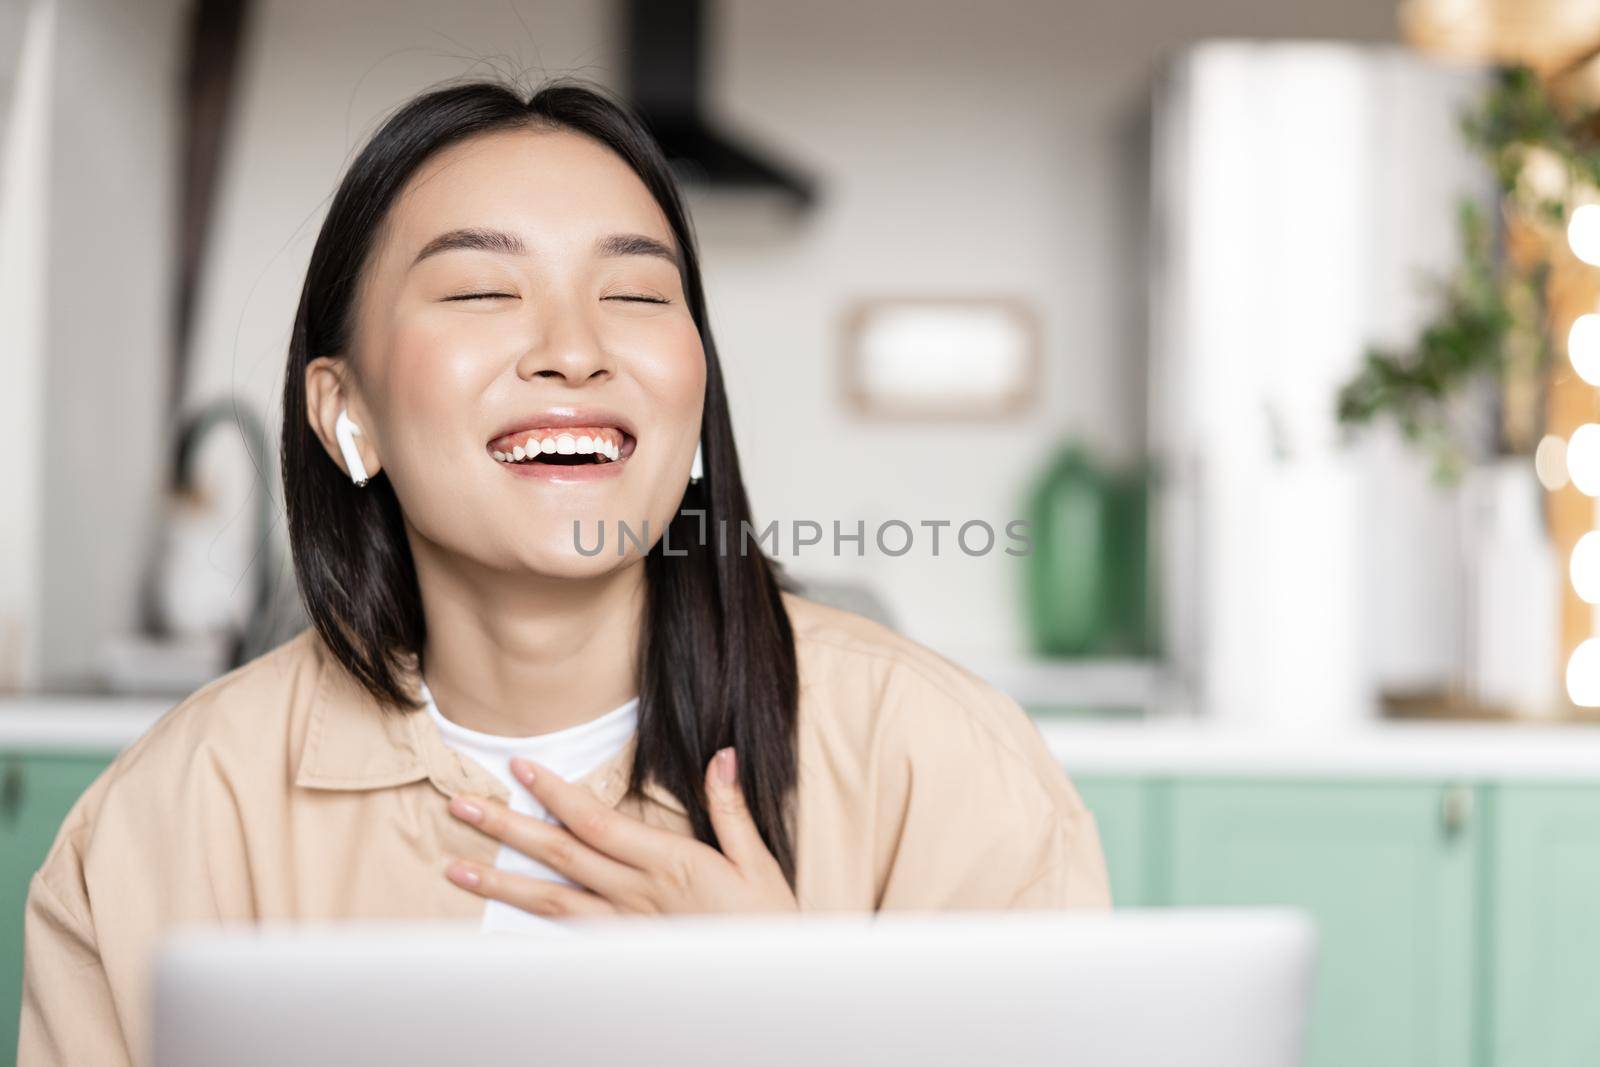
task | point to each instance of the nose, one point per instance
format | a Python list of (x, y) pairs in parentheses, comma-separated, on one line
[(566, 348)]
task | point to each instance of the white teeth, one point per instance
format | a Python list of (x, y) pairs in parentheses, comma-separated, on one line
[(564, 444)]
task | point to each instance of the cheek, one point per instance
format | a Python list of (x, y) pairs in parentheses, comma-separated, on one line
[(672, 373), (435, 379), (433, 383)]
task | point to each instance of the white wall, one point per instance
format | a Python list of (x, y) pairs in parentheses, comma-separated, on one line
[(965, 148), (90, 191), (113, 157), (24, 202)]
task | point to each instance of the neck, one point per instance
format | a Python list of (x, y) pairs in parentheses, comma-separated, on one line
[(527, 654)]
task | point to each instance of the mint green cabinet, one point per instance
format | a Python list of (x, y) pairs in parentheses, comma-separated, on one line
[(35, 793), (1121, 809), (1390, 874), (1460, 923), (1543, 950)]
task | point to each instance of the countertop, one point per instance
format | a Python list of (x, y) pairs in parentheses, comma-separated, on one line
[(1445, 751), (1088, 747)]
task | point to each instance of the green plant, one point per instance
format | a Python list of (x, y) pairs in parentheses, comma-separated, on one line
[(1464, 342), (1490, 327), (1537, 153)]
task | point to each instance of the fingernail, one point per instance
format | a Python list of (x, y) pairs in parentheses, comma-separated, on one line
[(726, 770), (522, 769), (461, 874), (466, 809)]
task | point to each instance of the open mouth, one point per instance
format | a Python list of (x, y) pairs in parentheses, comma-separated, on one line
[(566, 446)]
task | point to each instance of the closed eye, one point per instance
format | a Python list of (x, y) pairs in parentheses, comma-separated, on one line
[(512, 296)]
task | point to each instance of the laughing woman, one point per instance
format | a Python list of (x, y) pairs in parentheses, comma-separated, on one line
[(502, 353)]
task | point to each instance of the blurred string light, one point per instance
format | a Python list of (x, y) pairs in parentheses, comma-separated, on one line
[(1585, 567), (1550, 462), (1583, 347), (1583, 234), (1583, 674), (1583, 459)]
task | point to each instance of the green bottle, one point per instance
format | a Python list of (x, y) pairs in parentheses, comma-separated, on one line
[(1087, 588)]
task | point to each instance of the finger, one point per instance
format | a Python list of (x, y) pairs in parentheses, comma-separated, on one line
[(540, 896), (737, 834), (596, 824), (553, 846)]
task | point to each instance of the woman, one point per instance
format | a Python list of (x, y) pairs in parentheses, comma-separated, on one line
[(501, 359)]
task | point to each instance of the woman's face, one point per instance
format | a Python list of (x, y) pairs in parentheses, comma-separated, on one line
[(524, 300)]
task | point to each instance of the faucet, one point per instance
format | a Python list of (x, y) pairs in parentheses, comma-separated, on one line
[(255, 634)]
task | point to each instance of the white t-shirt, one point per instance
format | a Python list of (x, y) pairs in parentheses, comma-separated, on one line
[(571, 753)]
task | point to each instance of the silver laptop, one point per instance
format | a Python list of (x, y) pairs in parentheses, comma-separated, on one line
[(1022, 989)]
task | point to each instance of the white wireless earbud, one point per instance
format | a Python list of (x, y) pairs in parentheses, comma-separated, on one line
[(696, 469), (345, 431)]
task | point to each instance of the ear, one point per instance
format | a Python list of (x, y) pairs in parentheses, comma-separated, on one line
[(326, 396)]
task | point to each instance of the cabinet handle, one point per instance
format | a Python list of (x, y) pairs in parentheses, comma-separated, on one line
[(1455, 810), (11, 791)]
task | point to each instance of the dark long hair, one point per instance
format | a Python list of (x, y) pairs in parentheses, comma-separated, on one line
[(716, 662)]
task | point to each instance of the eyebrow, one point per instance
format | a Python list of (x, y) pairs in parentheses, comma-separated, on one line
[(509, 244)]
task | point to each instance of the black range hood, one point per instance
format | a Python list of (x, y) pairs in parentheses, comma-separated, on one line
[(666, 43)]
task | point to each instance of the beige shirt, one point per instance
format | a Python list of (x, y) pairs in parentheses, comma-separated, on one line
[(284, 791)]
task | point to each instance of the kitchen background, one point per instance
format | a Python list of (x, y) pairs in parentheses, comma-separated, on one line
[(1267, 317)]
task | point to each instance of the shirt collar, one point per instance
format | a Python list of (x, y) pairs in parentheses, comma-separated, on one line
[(355, 743)]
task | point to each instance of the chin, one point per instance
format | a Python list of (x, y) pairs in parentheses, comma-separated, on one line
[(552, 553)]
